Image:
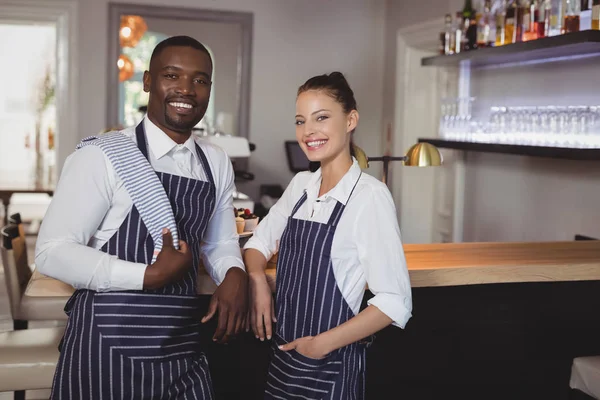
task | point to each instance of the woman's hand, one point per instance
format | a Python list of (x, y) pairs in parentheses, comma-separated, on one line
[(308, 346), (262, 311)]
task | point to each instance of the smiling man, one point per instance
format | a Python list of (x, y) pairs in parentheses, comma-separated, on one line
[(134, 214)]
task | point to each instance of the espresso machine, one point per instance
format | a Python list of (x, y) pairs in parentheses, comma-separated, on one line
[(238, 149)]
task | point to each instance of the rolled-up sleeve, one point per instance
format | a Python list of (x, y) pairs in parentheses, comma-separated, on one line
[(220, 245), (268, 232), (80, 203), (382, 257)]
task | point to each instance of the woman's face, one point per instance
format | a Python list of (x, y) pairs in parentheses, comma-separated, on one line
[(323, 129)]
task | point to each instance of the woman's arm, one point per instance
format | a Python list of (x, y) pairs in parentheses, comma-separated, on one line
[(262, 311), (366, 323), (257, 251)]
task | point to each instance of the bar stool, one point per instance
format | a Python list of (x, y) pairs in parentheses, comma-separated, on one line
[(18, 275), (28, 359), (585, 378)]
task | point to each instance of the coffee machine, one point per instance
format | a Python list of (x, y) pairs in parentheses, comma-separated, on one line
[(238, 149)]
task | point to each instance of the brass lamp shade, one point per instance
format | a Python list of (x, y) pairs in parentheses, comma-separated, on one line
[(125, 68), (132, 29), (423, 155)]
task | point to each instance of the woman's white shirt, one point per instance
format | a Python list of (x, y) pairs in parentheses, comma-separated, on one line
[(367, 247)]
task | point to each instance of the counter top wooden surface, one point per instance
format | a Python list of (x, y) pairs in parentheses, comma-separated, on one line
[(452, 264), (455, 264)]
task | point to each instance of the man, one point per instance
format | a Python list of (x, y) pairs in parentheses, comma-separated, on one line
[(133, 215)]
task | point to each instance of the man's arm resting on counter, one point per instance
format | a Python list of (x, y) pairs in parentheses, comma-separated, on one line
[(223, 260)]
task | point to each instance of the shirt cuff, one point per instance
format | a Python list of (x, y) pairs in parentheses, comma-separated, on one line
[(125, 275), (223, 265), (394, 306)]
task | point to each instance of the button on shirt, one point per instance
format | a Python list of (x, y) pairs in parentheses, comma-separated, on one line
[(90, 204), (366, 248)]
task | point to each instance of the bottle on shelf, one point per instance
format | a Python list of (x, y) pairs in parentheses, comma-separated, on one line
[(458, 32), (444, 40), (596, 14), (514, 21), (556, 17), (585, 15), (571, 20), (470, 26), (543, 22), (530, 21), (448, 35), (501, 24), (485, 25)]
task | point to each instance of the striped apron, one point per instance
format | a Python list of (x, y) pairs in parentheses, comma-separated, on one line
[(142, 344), (309, 302)]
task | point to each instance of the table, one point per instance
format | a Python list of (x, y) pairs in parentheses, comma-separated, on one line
[(6, 195)]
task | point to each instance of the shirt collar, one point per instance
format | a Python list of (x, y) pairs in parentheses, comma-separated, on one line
[(161, 144), (341, 192)]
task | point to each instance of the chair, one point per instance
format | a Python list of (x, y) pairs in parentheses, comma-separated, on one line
[(585, 378), (28, 359), (18, 275)]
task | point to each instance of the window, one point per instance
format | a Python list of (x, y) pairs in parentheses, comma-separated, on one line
[(28, 118)]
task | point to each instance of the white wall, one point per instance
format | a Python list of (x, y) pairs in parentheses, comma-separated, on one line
[(514, 198), (293, 40), (400, 14)]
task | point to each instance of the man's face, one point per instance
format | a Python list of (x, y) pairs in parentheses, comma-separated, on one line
[(179, 86)]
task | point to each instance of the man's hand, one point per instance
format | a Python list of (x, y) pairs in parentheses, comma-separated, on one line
[(231, 299), (262, 313), (308, 346), (170, 265)]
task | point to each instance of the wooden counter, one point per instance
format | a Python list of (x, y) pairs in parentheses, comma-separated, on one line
[(454, 264)]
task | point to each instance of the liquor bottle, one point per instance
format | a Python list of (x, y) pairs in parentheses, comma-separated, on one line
[(529, 20), (501, 24), (485, 35), (470, 26), (596, 14), (543, 23), (514, 22), (556, 17), (458, 32), (448, 36), (571, 21)]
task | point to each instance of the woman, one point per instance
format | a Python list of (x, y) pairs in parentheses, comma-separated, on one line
[(337, 231)]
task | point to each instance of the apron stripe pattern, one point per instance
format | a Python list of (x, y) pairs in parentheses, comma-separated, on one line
[(309, 302), (141, 183), (142, 344)]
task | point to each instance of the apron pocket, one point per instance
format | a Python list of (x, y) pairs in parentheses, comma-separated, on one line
[(147, 327), (292, 373)]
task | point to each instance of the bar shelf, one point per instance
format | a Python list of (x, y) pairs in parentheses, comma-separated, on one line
[(555, 48), (565, 153)]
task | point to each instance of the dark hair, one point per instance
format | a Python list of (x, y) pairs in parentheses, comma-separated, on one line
[(336, 86), (179, 41)]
